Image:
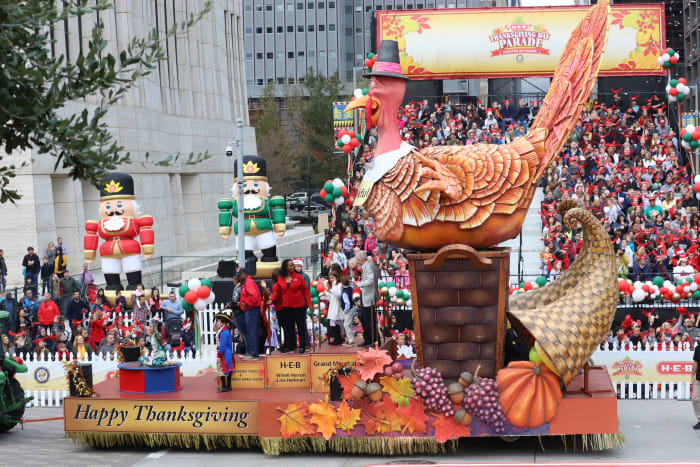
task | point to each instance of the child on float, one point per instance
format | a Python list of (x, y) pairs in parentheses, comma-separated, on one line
[(224, 351)]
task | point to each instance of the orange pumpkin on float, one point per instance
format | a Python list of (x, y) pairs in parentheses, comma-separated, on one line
[(529, 393)]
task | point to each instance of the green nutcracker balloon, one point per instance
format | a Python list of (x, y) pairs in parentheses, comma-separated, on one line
[(264, 214)]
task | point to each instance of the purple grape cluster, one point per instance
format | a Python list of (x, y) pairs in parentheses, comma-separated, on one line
[(429, 385), (481, 401)]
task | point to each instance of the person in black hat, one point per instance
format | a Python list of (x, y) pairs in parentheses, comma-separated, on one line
[(120, 223), (224, 351), (264, 215)]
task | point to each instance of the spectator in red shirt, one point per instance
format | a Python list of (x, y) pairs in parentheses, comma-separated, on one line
[(48, 310), (250, 304), (295, 300)]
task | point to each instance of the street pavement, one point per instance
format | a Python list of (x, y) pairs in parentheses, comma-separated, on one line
[(656, 431)]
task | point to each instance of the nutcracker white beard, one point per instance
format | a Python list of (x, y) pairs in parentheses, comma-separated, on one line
[(251, 202), (114, 224)]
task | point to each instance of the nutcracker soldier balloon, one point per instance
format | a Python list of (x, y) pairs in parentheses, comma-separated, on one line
[(120, 223), (264, 216)]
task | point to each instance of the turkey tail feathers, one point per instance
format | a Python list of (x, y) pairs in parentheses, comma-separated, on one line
[(573, 81)]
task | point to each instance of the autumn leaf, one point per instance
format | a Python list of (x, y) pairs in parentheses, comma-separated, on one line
[(399, 390), (446, 428), (413, 417), (347, 417), (347, 383), (380, 417), (324, 416), (294, 421), (372, 362)]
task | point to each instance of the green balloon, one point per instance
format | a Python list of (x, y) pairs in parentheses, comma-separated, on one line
[(338, 143), (687, 137), (673, 83), (365, 91), (382, 284), (206, 282), (328, 187), (325, 321), (680, 96), (315, 300), (679, 282), (671, 52), (337, 192), (329, 197), (371, 55), (521, 285), (313, 292), (696, 295), (658, 281), (693, 144), (187, 306), (183, 289), (668, 64), (308, 313), (542, 281), (689, 280)]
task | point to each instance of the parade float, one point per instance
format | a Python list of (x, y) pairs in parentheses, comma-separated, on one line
[(450, 205)]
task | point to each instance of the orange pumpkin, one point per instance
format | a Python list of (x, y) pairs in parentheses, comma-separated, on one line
[(529, 393)]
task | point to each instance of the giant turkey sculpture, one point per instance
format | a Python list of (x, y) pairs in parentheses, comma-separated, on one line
[(476, 195)]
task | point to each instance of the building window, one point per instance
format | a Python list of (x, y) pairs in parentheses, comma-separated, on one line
[(258, 7), (249, 56), (310, 6), (348, 9), (258, 30), (419, 6), (348, 31), (260, 82), (322, 54), (280, 80), (358, 30), (270, 55), (290, 80), (249, 81), (310, 28), (301, 80), (249, 31), (280, 7), (259, 55), (312, 54), (300, 54), (300, 5), (331, 4), (321, 6), (331, 54), (358, 9), (280, 55), (369, 8), (268, 29), (321, 27), (269, 80), (409, 6), (248, 7), (268, 7), (300, 28), (290, 28), (290, 54), (280, 29), (331, 27)]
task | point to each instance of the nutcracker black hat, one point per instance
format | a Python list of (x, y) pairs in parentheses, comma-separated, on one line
[(388, 62), (222, 315), (117, 185), (254, 168)]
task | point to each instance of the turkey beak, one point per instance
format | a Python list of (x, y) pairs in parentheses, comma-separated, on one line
[(361, 103)]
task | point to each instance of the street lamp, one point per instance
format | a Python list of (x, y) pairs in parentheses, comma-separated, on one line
[(239, 186)]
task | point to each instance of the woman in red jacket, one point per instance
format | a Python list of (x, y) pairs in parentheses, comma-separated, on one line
[(48, 310), (296, 299)]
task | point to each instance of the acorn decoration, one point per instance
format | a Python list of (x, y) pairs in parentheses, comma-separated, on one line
[(359, 390), (374, 392), (462, 417), (465, 379), (456, 392)]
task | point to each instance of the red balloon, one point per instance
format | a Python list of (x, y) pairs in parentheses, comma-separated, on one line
[(645, 287), (354, 143), (696, 277), (673, 91), (344, 190), (673, 59), (679, 288), (342, 133), (696, 187), (203, 291), (351, 133), (368, 63), (527, 285), (320, 288), (347, 148), (682, 81), (191, 297), (696, 134), (323, 193)]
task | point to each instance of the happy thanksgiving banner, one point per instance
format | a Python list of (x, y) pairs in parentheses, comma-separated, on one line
[(512, 42)]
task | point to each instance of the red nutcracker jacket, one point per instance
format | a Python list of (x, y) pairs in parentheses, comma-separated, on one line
[(119, 243)]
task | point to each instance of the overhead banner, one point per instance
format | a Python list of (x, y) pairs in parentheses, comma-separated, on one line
[(515, 42), (342, 120)]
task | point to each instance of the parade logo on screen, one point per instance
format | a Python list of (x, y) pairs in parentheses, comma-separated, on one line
[(520, 38), (627, 367)]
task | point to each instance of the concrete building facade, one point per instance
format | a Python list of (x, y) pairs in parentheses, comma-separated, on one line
[(190, 103)]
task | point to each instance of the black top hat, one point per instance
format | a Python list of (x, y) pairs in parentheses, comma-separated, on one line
[(254, 168), (117, 185), (388, 62)]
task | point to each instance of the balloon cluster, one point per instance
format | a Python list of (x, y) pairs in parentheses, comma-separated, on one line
[(677, 89), (359, 93), (320, 301), (526, 286), (658, 288), (668, 59), (371, 60), (334, 191), (391, 293), (347, 141), (690, 137), (196, 294)]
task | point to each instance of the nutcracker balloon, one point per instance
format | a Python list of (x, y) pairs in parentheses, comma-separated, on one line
[(119, 225), (264, 215)]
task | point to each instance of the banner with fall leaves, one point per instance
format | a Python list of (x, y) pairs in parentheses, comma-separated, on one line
[(515, 42)]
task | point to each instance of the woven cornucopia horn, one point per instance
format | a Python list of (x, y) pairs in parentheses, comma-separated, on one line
[(570, 317)]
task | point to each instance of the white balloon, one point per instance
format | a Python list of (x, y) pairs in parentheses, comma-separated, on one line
[(638, 284), (357, 93), (409, 304), (393, 299), (200, 304), (322, 305), (686, 146), (660, 60), (666, 57), (697, 195), (339, 201), (345, 139), (210, 299), (697, 179), (668, 88), (686, 289), (668, 284), (338, 183), (690, 128), (392, 291), (684, 89), (638, 295), (194, 284), (672, 98)]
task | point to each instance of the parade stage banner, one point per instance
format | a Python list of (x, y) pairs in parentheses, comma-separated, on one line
[(647, 366), (513, 42)]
